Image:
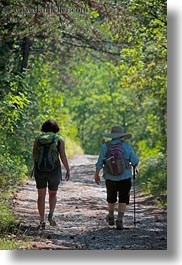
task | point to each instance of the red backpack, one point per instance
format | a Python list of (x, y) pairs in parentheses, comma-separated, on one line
[(115, 162)]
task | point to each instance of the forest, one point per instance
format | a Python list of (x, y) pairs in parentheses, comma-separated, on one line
[(89, 65)]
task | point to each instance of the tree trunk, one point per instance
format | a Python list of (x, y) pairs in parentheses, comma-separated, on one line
[(25, 52)]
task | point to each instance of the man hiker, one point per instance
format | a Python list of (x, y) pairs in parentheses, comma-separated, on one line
[(116, 158), (48, 149)]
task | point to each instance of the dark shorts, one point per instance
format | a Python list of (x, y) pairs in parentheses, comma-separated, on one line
[(48, 179), (118, 188)]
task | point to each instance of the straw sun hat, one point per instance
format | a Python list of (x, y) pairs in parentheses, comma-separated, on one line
[(117, 132)]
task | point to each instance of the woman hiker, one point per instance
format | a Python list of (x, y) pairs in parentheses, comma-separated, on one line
[(117, 184), (48, 149)]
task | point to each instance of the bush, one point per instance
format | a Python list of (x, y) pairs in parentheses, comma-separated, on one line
[(7, 244), (13, 169), (6, 220), (6, 216), (72, 147), (153, 175)]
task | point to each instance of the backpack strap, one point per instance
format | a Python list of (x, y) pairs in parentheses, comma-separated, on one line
[(109, 143)]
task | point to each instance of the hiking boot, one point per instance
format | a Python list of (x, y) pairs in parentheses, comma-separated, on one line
[(110, 219), (51, 220), (119, 224), (42, 225)]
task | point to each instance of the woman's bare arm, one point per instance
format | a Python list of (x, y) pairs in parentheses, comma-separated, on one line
[(64, 159)]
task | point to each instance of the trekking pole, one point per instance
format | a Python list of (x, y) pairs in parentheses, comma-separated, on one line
[(134, 204)]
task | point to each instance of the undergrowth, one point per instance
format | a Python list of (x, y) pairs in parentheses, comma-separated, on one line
[(8, 219)]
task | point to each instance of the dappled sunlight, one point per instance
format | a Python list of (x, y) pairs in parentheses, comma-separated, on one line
[(80, 215)]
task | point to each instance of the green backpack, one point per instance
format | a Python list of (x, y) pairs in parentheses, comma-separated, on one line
[(47, 155)]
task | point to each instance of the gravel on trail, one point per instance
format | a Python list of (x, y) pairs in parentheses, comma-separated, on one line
[(80, 215)]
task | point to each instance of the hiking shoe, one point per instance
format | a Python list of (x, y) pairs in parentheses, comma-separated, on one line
[(119, 224), (51, 220), (42, 225), (110, 219)]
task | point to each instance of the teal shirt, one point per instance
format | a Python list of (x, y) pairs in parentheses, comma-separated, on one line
[(129, 155)]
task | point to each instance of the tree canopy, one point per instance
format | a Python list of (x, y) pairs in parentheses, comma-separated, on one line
[(90, 65)]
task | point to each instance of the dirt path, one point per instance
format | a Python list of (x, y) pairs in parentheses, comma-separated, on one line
[(80, 215)]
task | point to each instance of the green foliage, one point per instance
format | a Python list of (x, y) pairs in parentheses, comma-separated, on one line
[(13, 169), (6, 216), (7, 244), (131, 92), (88, 70), (6, 220), (72, 147), (153, 175)]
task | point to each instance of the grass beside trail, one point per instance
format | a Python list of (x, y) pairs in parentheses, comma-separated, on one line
[(6, 221)]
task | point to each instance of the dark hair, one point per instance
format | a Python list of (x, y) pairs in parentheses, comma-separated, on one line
[(50, 126)]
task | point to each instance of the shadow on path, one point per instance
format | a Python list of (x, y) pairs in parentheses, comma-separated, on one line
[(80, 215)]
